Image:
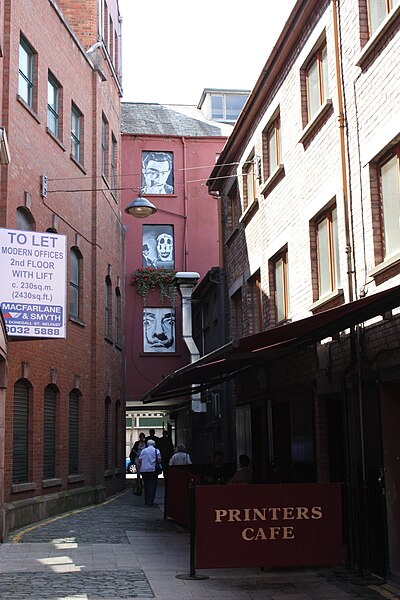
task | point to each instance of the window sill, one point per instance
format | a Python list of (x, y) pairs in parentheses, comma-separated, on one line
[(46, 483), (385, 265), (272, 179), (158, 354), (249, 212), (158, 195), (77, 321), (327, 299), (28, 108), (22, 487), (232, 235), (109, 339), (76, 478), (55, 139), (78, 164), (118, 346), (312, 125), (379, 34)]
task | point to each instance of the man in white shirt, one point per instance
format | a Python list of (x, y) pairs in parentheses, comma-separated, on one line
[(147, 463)]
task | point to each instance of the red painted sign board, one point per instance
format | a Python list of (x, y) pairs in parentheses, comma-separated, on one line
[(273, 525)]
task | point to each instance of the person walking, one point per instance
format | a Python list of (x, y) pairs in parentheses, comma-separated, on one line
[(152, 436), (181, 457), (149, 460), (166, 448), (137, 447)]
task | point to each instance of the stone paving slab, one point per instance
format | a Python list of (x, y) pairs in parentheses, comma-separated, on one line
[(122, 549)]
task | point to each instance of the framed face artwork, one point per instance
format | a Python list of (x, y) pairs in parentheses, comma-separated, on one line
[(158, 246), (157, 172), (158, 329)]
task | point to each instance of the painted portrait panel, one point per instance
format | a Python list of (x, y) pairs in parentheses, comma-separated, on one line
[(157, 172), (158, 246), (158, 329)]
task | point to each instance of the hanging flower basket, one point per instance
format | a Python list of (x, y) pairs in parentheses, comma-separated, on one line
[(148, 278)]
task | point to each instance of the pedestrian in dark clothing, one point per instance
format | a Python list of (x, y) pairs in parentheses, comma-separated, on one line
[(166, 448), (147, 467), (152, 436)]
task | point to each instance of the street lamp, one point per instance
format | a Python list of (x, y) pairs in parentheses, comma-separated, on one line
[(140, 207)]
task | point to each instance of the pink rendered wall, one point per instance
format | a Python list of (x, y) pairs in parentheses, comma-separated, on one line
[(193, 214)]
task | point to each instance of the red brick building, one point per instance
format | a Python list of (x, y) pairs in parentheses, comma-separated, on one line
[(65, 411), (181, 143)]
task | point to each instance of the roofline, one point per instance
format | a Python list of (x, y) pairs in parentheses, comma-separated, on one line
[(286, 42)]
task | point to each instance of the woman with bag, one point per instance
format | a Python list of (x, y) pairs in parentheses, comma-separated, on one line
[(137, 448), (148, 464)]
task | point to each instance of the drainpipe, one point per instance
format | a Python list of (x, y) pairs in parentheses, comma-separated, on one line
[(186, 281), (342, 125), (360, 505)]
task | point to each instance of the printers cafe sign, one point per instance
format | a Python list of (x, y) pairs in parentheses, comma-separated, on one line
[(32, 288), (274, 525)]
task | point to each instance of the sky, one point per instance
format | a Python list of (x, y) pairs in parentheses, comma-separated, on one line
[(172, 50)]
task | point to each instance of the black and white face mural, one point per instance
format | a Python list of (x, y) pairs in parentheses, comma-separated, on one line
[(158, 246), (158, 329), (157, 172)]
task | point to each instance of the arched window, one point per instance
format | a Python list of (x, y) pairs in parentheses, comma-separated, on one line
[(20, 432), (108, 311), (107, 414), (117, 319), (73, 437), (49, 432), (75, 272), (24, 219), (117, 435)]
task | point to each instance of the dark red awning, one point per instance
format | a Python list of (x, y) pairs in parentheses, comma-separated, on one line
[(227, 361)]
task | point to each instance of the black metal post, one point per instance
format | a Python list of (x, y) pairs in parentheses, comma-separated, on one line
[(192, 507)]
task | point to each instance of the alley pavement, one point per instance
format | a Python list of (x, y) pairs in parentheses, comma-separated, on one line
[(122, 549)]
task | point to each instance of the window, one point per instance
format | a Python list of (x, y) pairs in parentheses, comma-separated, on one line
[(273, 146), (53, 104), (237, 314), (117, 434), (26, 72), (317, 81), (20, 432), (108, 308), (113, 164), (234, 208), (73, 438), (377, 11), (227, 107), (75, 283), (249, 183), (117, 316), (255, 304), (104, 148), (76, 134), (327, 252), (389, 180), (49, 432), (107, 406), (281, 281), (24, 219)]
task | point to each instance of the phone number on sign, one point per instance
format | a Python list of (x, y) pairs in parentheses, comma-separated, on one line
[(36, 330)]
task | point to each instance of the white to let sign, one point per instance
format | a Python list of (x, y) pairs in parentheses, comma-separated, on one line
[(33, 283)]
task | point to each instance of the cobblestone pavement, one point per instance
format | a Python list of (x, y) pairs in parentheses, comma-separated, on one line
[(122, 550)]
